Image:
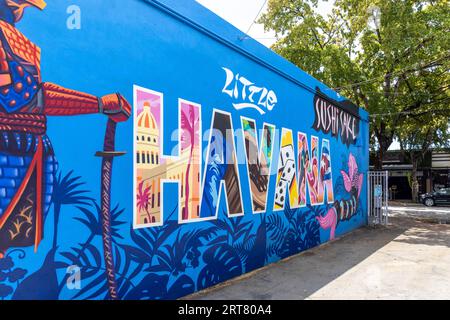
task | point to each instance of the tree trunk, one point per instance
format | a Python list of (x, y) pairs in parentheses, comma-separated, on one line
[(414, 182), (384, 139), (384, 146), (379, 160)]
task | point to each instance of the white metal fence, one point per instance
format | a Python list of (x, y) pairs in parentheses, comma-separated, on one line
[(378, 196)]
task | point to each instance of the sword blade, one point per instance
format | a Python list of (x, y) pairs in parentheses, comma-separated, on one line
[(106, 176)]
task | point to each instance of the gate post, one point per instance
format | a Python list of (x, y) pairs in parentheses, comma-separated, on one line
[(386, 196), (378, 197)]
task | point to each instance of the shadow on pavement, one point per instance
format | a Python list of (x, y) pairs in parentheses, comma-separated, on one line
[(423, 233), (300, 276)]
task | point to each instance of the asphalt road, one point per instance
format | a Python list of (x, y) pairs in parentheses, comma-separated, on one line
[(439, 214)]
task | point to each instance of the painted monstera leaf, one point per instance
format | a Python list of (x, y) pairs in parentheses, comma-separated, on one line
[(183, 286), (152, 287), (155, 287), (221, 263)]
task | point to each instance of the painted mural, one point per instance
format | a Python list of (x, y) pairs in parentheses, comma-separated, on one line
[(211, 165), (153, 168), (259, 160)]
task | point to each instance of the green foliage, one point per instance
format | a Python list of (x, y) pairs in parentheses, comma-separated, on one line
[(396, 66)]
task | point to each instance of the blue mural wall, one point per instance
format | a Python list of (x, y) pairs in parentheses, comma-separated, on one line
[(234, 158)]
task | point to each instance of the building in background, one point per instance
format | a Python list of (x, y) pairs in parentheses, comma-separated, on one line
[(433, 172), (440, 169)]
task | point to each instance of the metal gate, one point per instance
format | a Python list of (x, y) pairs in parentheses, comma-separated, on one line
[(378, 197)]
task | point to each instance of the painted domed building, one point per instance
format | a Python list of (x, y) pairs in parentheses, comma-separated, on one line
[(147, 137)]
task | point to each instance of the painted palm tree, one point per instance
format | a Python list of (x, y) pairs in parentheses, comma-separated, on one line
[(67, 192), (190, 123), (143, 198)]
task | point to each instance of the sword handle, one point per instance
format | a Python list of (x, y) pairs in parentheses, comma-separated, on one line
[(109, 143)]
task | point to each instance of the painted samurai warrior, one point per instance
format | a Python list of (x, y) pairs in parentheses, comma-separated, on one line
[(27, 161)]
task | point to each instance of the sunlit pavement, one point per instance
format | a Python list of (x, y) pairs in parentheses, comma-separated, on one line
[(409, 259)]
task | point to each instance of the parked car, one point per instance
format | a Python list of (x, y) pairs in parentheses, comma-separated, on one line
[(441, 196)]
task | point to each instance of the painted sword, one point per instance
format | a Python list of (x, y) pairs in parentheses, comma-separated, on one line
[(108, 154)]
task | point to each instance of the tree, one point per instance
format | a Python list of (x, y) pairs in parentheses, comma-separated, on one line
[(390, 57), (143, 198), (417, 136)]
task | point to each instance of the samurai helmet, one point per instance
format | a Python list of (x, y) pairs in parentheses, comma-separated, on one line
[(18, 6)]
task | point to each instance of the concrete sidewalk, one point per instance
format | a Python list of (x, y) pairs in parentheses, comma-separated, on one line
[(408, 259)]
